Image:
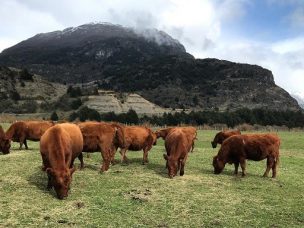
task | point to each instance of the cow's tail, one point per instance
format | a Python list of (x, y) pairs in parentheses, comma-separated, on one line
[(120, 135)]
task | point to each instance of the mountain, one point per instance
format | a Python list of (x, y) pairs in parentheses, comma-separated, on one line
[(150, 63), (299, 99)]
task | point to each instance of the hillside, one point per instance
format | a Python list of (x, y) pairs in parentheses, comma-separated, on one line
[(149, 63), (21, 92)]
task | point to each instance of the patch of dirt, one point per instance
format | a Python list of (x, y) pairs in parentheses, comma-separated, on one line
[(139, 195)]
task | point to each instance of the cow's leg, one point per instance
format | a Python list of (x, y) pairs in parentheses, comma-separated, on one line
[(182, 168), (123, 152), (49, 184), (243, 166), (113, 152), (145, 156), (146, 150), (274, 168), (236, 168), (80, 157), (106, 156), (270, 163), (25, 144)]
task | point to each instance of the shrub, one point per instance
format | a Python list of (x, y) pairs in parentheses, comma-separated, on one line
[(54, 116), (25, 75)]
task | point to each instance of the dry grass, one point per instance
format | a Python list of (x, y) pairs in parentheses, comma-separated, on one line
[(134, 195)]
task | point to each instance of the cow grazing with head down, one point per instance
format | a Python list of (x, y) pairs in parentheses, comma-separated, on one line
[(236, 149), (5, 143), (102, 137), (177, 146), (59, 146), (222, 135), (190, 132), (21, 131), (137, 138)]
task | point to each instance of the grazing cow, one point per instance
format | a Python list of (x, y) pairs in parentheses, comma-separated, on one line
[(137, 138), (103, 137), (21, 131), (222, 135), (190, 132), (5, 143), (59, 146), (236, 149), (177, 146)]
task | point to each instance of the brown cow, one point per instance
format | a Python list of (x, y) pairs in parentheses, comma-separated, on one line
[(21, 131), (236, 149), (103, 137), (5, 143), (190, 132), (177, 147), (137, 138), (59, 147), (222, 135)]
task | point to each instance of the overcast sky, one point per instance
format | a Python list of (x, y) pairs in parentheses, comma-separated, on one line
[(269, 33)]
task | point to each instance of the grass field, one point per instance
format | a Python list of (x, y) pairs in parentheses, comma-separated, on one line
[(134, 195)]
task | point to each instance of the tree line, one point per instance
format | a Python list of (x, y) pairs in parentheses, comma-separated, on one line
[(264, 117)]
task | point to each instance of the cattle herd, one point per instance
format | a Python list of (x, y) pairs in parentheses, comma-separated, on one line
[(62, 143)]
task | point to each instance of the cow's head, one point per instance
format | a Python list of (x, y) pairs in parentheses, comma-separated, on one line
[(218, 165), (61, 181), (5, 145), (162, 133), (217, 139), (172, 165)]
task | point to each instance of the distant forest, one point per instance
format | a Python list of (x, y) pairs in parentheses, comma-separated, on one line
[(263, 117)]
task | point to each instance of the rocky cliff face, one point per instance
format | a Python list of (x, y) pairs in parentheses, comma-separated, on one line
[(149, 63)]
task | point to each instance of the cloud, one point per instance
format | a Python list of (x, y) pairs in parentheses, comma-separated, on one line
[(19, 21), (296, 18)]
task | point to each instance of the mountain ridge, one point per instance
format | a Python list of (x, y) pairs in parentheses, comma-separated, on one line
[(156, 66)]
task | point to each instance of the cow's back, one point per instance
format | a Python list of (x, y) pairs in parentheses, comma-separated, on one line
[(95, 134), (62, 142), (35, 129), (136, 137), (177, 144)]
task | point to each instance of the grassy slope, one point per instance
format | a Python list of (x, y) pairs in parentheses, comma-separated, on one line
[(139, 196)]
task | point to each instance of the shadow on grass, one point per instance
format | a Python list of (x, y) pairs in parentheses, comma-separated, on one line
[(159, 169), (39, 179)]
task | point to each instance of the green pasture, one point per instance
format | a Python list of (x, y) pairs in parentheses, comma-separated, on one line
[(136, 195)]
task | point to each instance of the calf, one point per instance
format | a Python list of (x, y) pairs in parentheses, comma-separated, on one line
[(59, 146), (177, 146), (136, 139), (103, 137), (222, 135), (5, 143), (236, 149)]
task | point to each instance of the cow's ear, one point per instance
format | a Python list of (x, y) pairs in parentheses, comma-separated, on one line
[(50, 171), (165, 156), (72, 170)]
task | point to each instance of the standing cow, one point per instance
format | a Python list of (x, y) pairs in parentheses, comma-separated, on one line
[(137, 138), (21, 131), (222, 135), (177, 146), (103, 137), (5, 143), (59, 146), (236, 149), (190, 132)]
